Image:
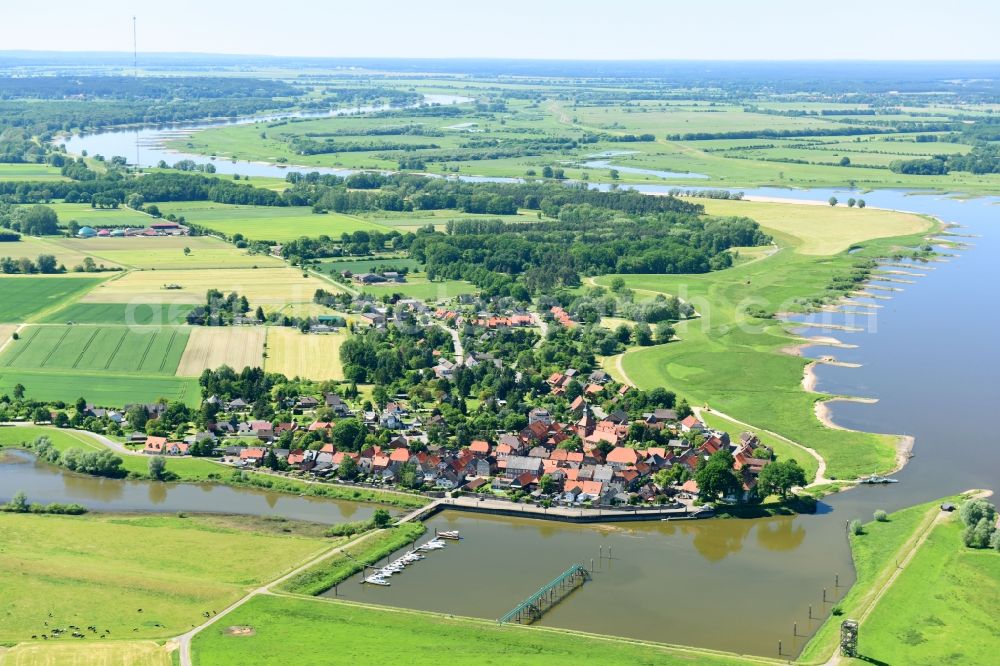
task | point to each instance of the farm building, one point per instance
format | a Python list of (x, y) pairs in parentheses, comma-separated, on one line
[(86, 232)]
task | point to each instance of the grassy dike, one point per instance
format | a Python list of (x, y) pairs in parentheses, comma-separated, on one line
[(941, 609), (876, 553), (201, 470), (737, 364)]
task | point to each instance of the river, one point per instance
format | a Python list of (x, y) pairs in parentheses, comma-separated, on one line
[(928, 356), (44, 483)]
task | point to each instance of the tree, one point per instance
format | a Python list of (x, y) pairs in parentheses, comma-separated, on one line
[(271, 460), (614, 174), (187, 251), (381, 518), (547, 484), (780, 477), (259, 314), (348, 469), (18, 391), (972, 511), (46, 264), (157, 468), (381, 396), (348, 434), (833, 201), (137, 417), (861, 203), (664, 333), (845, 161), (716, 477), (408, 477), (547, 172), (40, 415), (61, 420), (979, 535), (18, 503), (40, 221), (643, 334)]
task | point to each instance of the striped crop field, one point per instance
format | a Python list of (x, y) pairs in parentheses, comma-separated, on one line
[(114, 349)]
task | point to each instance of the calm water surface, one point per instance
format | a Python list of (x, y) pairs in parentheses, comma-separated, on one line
[(44, 483)]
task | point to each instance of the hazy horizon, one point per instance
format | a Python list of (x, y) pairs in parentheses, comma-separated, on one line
[(646, 30)]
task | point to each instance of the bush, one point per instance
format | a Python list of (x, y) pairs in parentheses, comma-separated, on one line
[(856, 528), (881, 516)]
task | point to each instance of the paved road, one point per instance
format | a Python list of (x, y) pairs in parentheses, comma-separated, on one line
[(459, 351)]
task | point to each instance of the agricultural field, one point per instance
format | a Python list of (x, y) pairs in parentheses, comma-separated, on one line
[(821, 229), (115, 653), (412, 221), (33, 172), (735, 364), (267, 223), (26, 297), (214, 346), (371, 634), (312, 356), (269, 287), (662, 119), (100, 217), (115, 349), (165, 252), (368, 265), (6, 330), (68, 252), (423, 289), (100, 388), (129, 314), (100, 569)]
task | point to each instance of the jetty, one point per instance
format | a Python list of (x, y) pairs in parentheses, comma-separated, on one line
[(547, 596)]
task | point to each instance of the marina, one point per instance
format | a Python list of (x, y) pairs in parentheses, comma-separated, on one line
[(410, 557)]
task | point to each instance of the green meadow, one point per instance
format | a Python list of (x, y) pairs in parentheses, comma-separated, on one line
[(27, 296), (268, 223), (165, 252), (99, 217), (423, 289), (187, 469), (734, 362), (137, 576), (31, 172), (941, 609), (933, 603), (336, 266), (371, 634)]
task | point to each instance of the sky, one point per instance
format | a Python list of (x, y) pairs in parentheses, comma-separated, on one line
[(546, 29)]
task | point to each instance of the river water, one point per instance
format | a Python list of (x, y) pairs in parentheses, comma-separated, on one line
[(44, 483), (928, 356)]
